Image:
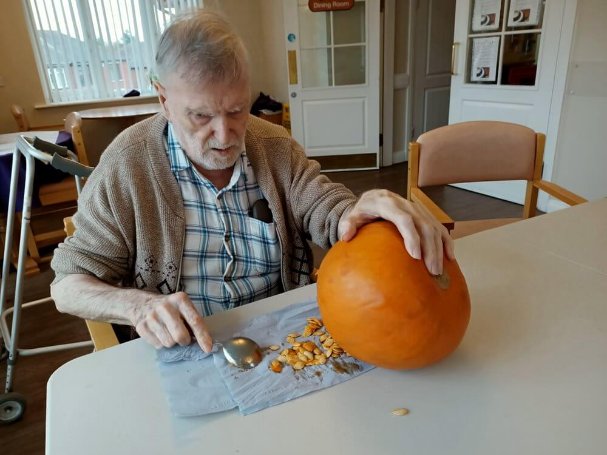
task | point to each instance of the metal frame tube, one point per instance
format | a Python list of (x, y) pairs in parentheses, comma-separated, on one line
[(25, 148), (10, 224)]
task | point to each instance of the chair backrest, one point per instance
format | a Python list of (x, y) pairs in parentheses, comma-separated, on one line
[(480, 151), (91, 136), (477, 151), (20, 118), (23, 123)]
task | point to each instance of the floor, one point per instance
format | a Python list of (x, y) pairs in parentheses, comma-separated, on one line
[(43, 325)]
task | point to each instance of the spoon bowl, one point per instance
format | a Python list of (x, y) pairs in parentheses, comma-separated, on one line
[(242, 352)]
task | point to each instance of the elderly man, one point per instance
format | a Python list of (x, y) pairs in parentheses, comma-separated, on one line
[(203, 208)]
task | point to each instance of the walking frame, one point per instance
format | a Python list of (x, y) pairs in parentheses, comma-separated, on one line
[(12, 405)]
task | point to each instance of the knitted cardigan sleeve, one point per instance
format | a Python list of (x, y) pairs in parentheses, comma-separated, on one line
[(100, 245), (129, 212), (308, 201), (316, 201)]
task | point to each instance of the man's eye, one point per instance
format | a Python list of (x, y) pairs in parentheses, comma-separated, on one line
[(202, 117)]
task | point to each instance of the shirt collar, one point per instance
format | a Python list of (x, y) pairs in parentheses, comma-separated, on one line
[(180, 161), (177, 157)]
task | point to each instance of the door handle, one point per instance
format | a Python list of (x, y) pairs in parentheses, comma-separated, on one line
[(292, 63), (454, 48)]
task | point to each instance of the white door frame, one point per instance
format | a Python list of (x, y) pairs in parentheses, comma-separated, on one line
[(393, 81), (387, 86), (545, 202)]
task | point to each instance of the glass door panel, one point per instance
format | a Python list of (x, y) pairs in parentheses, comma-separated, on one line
[(314, 28), (519, 62), (316, 68), (333, 46), (349, 26), (350, 65)]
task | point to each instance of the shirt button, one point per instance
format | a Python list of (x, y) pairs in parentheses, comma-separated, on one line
[(227, 279), (226, 238)]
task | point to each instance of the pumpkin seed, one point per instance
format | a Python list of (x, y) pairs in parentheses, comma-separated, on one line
[(400, 411), (276, 366), (309, 346)]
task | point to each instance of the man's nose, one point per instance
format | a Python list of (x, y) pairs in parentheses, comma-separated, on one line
[(221, 129)]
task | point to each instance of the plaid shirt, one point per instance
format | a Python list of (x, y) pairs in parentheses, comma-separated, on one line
[(229, 258)]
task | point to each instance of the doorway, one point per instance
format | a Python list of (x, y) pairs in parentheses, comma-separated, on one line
[(333, 82), (433, 23)]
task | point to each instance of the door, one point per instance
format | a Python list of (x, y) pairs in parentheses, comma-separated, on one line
[(505, 61), (433, 38), (334, 67)]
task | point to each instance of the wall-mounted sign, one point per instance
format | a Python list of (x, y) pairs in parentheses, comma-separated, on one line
[(524, 13), (484, 59), (330, 5), (486, 15)]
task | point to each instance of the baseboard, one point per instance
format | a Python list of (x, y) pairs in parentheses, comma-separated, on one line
[(399, 156)]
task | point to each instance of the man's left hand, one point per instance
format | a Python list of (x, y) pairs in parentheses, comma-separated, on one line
[(423, 235)]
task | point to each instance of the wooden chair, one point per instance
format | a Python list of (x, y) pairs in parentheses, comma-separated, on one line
[(102, 333), (23, 123), (92, 135), (476, 152)]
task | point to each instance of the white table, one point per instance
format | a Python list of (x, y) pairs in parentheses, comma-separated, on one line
[(529, 378)]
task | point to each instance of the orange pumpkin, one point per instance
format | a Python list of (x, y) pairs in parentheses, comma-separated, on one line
[(384, 307)]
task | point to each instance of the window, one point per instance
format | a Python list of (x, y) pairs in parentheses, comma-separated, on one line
[(98, 49)]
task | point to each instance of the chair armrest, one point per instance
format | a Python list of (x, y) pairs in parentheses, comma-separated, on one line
[(559, 192), (417, 195), (102, 334)]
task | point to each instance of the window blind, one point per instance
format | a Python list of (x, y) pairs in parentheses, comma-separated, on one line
[(98, 49)]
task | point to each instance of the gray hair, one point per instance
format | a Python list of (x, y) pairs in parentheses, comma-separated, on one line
[(201, 46)]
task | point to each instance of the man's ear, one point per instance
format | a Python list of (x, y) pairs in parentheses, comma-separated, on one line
[(162, 98)]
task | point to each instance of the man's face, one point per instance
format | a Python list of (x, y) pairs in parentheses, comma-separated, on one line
[(209, 119)]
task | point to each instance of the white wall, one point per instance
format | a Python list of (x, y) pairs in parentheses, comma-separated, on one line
[(581, 150), (260, 24), (273, 33)]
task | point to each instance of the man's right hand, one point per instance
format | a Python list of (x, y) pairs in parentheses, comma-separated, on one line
[(161, 320), (167, 320)]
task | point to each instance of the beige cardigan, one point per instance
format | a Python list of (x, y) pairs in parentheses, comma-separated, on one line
[(130, 223)]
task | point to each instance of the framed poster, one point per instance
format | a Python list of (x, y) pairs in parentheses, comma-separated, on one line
[(486, 15), (483, 64), (524, 13)]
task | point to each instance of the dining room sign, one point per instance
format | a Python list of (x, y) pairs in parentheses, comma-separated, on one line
[(330, 5)]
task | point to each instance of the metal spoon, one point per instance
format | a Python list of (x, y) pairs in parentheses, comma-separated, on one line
[(242, 352)]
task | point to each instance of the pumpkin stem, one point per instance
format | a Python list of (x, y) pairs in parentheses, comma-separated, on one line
[(444, 281)]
